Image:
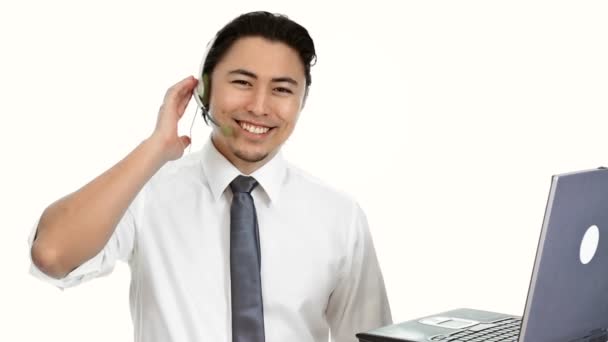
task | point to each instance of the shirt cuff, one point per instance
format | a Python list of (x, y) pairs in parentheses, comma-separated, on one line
[(88, 270)]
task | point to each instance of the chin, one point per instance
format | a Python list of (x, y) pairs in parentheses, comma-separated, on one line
[(251, 157)]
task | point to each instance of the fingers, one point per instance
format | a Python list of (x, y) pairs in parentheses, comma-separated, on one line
[(183, 103), (180, 93)]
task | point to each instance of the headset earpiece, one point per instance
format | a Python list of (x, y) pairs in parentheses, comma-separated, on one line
[(199, 93), (205, 94)]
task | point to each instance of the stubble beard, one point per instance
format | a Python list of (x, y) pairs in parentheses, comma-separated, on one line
[(250, 158)]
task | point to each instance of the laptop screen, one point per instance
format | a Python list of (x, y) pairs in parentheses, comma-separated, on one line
[(568, 294)]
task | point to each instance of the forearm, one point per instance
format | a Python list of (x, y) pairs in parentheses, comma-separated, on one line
[(76, 227)]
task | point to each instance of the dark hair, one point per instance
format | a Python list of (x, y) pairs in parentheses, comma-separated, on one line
[(274, 27)]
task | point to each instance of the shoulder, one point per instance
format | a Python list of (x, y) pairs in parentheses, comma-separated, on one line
[(188, 163), (309, 187), (176, 176)]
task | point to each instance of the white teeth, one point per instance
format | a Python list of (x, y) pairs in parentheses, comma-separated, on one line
[(254, 129)]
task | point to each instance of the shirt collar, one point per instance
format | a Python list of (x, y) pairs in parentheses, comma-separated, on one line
[(220, 172)]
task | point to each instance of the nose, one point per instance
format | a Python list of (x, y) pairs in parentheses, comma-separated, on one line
[(258, 103)]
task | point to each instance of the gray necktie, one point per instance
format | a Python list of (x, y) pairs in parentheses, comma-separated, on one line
[(247, 309)]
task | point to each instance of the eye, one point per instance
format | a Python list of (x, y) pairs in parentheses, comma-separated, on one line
[(283, 90), (241, 82)]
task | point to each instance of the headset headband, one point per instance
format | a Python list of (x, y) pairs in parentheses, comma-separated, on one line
[(202, 92)]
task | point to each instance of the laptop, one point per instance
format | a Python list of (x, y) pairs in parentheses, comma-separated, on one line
[(568, 294)]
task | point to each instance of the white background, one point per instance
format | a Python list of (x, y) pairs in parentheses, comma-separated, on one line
[(445, 119)]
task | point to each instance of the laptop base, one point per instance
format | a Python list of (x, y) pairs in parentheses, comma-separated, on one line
[(434, 328)]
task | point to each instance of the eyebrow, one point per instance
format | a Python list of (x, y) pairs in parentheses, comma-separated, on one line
[(254, 76)]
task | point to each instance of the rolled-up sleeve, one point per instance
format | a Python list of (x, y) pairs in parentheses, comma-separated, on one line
[(120, 246), (359, 303)]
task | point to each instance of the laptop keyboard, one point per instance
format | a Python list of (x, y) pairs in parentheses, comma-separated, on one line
[(505, 330)]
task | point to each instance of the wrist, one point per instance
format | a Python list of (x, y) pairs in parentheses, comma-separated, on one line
[(156, 148)]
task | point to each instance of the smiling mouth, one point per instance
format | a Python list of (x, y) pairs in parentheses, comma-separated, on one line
[(254, 129)]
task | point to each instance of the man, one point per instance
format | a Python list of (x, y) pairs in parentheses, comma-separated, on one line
[(231, 243)]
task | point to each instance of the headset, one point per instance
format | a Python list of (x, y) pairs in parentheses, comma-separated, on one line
[(201, 94)]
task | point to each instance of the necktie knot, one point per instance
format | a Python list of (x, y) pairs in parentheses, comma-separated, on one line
[(243, 184)]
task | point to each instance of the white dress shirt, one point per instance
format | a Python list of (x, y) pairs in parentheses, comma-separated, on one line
[(319, 268)]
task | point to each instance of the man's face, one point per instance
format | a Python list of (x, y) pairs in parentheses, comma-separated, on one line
[(257, 90)]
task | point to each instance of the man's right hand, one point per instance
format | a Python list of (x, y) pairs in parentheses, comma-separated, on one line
[(173, 107)]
